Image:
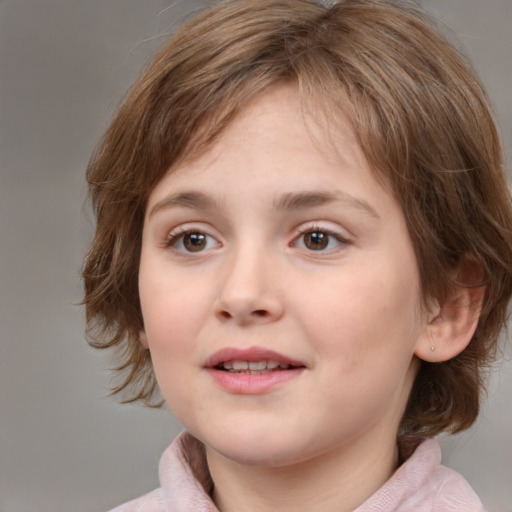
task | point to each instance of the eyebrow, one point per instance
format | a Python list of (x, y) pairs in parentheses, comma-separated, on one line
[(304, 200), (187, 199), (289, 202)]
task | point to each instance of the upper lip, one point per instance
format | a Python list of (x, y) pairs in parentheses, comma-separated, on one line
[(249, 354)]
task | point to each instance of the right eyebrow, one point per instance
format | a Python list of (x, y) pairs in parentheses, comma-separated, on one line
[(187, 199)]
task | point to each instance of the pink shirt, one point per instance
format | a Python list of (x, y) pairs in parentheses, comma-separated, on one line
[(421, 484)]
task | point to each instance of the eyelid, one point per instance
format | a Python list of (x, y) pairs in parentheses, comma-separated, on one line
[(338, 234), (178, 232)]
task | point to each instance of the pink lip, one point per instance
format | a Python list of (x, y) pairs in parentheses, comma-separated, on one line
[(247, 384), (249, 354)]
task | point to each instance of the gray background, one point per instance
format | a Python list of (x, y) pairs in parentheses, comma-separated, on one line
[(64, 66)]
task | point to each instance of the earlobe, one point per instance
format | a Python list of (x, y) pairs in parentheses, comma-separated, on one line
[(143, 339), (452, 323)]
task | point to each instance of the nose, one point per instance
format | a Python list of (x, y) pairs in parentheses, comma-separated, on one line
[(249, 291)]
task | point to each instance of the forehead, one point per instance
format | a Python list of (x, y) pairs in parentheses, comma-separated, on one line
[(277, 149), (279, 120)]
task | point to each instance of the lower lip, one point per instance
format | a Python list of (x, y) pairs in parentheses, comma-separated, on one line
[(247, 384)]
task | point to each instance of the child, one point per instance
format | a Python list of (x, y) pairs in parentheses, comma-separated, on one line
[(304, 236)]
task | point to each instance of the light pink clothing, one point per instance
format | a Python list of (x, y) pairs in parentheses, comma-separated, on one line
[(421, 484)]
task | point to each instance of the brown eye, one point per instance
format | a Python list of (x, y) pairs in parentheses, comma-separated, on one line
[(316, 240), (190, 241), (194, 242)]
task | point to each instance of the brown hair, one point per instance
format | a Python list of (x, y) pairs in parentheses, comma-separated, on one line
[(421, 118)]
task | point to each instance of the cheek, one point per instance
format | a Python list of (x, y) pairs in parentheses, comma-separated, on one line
[(163, 288), (366, 345), (368, 314), (169, 320), (173, 310)]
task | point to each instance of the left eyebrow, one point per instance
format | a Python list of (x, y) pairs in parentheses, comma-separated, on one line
[(304, 200)]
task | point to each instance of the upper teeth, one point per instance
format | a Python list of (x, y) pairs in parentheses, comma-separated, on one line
[(253, 365)]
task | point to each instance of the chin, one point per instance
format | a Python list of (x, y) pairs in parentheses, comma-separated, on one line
[(263, 458), (260, 449)]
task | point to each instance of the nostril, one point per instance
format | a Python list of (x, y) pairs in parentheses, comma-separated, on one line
[(226, 315), (260, 312)]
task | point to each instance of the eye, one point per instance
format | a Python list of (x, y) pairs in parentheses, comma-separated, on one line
[(191, 241), (319, 240)]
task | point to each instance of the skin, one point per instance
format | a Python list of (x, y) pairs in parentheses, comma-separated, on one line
[(350, 312)]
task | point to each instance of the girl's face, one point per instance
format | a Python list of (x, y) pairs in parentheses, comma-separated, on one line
[(280, 292)]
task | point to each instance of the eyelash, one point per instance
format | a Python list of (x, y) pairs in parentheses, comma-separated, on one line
[(341, 241), (178, 236), (180, 233)]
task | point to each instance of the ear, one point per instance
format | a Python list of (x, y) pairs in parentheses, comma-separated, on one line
[(452, 323), (143, 339)]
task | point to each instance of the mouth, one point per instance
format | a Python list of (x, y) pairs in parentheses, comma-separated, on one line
[(252, 371), (253, 367), (251, 361)]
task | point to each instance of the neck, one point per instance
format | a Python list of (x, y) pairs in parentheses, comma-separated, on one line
[(338, 481)]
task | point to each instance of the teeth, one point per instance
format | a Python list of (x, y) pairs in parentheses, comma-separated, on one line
[(250, 372), (253, 366), (257, 365)]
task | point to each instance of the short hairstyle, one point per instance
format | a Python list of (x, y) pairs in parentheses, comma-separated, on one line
[(421, 118)]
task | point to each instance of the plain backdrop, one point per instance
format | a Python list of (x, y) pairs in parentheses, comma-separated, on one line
[(64, 67)]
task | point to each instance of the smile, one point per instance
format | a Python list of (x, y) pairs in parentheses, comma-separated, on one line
[(253, 367), (251, 359), (252, 371)]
